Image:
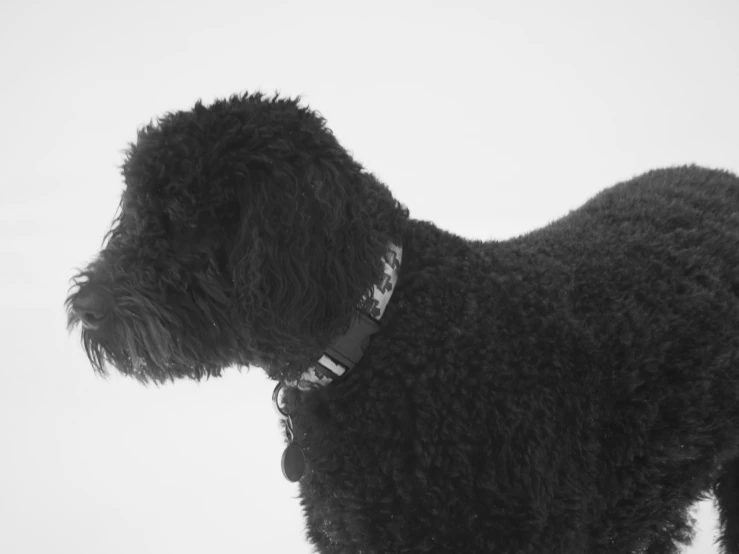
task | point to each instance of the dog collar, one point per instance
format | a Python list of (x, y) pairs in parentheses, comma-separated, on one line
[(343, 354), (346, 350)]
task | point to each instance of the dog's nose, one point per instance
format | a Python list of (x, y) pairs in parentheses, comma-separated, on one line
[(90, 307)]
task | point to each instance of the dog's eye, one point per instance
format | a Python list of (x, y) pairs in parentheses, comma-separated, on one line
[(167, 224), (185, 237), (181, 227)]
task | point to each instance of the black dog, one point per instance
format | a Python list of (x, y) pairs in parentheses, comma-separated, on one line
[(573, 390)]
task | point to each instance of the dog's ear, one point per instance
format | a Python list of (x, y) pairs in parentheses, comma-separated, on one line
[(308, 249)]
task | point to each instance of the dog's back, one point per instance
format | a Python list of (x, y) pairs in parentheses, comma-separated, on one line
[(649, 276)]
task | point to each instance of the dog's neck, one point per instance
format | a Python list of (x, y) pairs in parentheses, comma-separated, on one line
[(346, 350)]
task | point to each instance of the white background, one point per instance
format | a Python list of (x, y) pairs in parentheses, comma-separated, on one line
[(488, 118)]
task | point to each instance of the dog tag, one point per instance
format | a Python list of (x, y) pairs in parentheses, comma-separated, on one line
[(293, 463)]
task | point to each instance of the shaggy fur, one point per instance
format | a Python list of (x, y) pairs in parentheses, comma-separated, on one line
[(573, 390)]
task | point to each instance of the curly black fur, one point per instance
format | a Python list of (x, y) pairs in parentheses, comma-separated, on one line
[(573, 390)]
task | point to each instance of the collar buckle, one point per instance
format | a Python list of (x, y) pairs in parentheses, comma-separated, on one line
[(349, 348)]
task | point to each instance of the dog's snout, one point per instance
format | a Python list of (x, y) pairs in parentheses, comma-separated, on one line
[(91, 309)]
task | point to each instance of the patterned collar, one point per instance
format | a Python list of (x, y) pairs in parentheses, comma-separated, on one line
[(346, 351)]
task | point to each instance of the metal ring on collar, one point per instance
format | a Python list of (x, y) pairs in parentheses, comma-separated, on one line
[(276, 401)]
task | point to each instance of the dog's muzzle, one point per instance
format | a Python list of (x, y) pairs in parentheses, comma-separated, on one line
[(90, 307)]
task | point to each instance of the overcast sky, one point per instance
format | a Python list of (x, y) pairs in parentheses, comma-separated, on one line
[(489, 118)]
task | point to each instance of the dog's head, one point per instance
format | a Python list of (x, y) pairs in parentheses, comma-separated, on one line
[(246, 235)]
